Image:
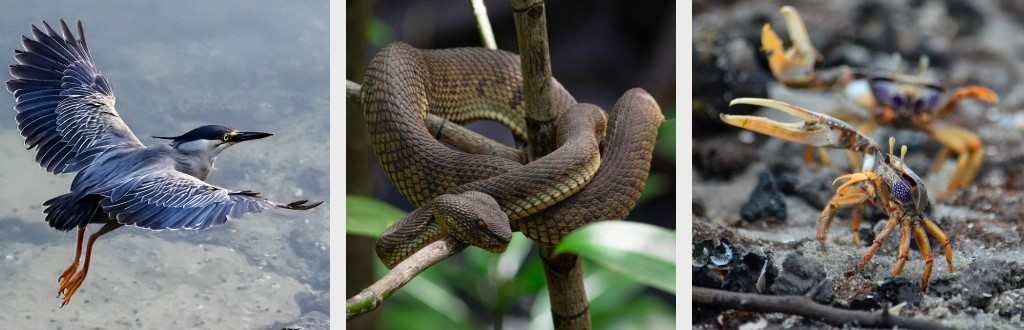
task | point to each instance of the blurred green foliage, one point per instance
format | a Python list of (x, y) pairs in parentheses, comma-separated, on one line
[(477, 289)]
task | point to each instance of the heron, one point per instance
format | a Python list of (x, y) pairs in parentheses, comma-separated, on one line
[(65, 111)]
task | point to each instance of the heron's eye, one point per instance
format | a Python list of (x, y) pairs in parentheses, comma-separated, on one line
[(900, 190), (226, 137)]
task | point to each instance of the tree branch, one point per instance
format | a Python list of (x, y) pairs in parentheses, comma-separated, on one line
[(483, 24), (532, 37), (563, 272), (804, 306), (371, 297)]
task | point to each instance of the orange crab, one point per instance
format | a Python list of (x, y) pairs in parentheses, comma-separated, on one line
[(883, 180), (891, 99)]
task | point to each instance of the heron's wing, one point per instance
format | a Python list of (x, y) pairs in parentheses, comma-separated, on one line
[(65, 106), (174, 200)]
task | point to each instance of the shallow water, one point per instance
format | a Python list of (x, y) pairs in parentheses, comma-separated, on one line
[(175, 65)]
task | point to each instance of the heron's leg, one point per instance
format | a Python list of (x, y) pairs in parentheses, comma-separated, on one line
[(78, 254), (69, 288)]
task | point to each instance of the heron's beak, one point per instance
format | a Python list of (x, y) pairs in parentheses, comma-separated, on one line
[(246, 136)]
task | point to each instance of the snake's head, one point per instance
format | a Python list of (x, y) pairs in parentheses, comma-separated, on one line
[(474, 218)]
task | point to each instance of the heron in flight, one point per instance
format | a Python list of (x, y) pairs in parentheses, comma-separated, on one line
[(65, 110)]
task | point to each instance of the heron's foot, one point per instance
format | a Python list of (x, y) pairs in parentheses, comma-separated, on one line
[(70, 286), (66, 275)]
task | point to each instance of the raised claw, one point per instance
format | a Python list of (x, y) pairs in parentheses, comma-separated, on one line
[(815, 129), (796, 64)]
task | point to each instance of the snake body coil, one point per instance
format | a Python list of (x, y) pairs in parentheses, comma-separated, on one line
[(452, 188)]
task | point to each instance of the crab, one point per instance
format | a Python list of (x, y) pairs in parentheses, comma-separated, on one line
[(884, 180), (891, 99)]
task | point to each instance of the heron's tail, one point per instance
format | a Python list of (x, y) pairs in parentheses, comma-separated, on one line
[(68, 211)]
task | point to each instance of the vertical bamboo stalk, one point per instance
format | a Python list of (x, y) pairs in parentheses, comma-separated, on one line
[(569, 307)]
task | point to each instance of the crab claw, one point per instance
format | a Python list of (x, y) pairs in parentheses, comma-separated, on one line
[(793, 66), (978, 93), (815, 129)]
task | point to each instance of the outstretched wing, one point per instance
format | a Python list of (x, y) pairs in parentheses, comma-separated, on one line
[(65, 106), (174, 200)]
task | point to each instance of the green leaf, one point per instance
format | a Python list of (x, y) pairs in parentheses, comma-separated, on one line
[(665, 147), (368, 216), (641, 252), (654, 186)]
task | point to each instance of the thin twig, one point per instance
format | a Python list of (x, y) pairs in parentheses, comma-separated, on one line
[(456, 135), (806, 307), (371, 297), (483, 24)]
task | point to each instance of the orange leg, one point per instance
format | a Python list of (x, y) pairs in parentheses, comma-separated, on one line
[(904, 249), (936, 232), (78, 254), (889, 226), (926, 252), (968, 148), (858, 213), (844, 198), (69, 287)]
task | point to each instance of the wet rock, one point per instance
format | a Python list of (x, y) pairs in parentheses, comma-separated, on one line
[(800, 275), (766, 201), (813, 186), (755, 273), (898, 290), (726, 66)]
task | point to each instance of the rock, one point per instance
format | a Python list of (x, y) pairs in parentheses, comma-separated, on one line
[(898, 290), (799, 275), (866, 301), (722, 157), (766, 201), (984, 279)]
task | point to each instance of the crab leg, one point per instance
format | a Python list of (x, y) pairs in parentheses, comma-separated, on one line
[(904, 248), (877, 244), (936, 232), (846, 196), (926, 252), (969, 152)]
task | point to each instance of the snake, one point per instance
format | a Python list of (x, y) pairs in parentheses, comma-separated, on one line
[(456, 192)]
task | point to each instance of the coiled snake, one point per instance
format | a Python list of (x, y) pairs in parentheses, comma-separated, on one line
[(458, 193)]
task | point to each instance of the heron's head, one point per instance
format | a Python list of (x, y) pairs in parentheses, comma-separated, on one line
[(210, 139)]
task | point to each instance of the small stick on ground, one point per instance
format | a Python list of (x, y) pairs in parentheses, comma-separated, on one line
[(804, 306), (371, 297)]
